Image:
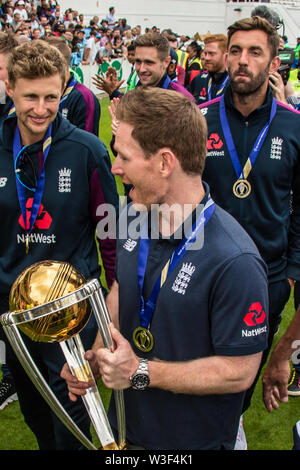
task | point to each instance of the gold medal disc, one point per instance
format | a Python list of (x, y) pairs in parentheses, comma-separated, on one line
[(241, 188), (143, 339)]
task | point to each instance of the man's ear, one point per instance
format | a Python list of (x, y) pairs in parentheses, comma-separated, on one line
[(275, 64), (8, 89), (226, 60), (167, 61), (167, 162)]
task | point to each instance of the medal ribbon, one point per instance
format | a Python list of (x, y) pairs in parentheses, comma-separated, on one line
[(67, 91), (12, 110), (147, 310), (166, 82), (38, 193), (221, 88), (243, 173)]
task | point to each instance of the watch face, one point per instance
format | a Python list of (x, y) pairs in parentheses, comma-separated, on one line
[(140, 381)]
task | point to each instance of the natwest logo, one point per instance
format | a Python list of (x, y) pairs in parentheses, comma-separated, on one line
[(214, 142), (43, 220), (255, 315)]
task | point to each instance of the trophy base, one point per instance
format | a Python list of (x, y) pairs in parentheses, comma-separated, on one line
[(111, 446)]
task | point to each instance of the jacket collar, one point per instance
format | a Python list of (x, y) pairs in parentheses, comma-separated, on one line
[(265, 108)]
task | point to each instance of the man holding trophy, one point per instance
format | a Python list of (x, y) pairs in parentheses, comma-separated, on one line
[(189, 306), (54, 177)]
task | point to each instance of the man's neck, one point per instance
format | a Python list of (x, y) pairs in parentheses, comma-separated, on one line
[(246, 104), (178, 207)]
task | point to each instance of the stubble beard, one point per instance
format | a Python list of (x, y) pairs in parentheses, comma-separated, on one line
[(245, 89)]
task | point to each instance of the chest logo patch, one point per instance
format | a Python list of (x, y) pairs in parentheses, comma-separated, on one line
[(214, 142), (64, 180), (183, 278), (276, 148)]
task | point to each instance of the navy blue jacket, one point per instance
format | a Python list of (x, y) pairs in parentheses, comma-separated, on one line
[(199, 86), (82, 108), (77, 181), (265, 213)]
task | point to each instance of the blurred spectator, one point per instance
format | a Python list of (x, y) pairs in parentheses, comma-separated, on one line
[(127, 36), (91, 48), (58, 15), (105, 54), (9, 14), (81, 21), (105, 33), (17, 21), (20, 8), (80, 42), (36, 33), (118, 47), (110, 18), (69, 20), (194, 62), (122, 26), (33, 21)]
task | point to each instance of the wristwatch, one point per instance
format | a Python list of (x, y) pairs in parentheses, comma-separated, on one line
[(140, 379)]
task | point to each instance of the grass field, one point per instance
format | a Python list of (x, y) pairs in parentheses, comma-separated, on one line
[(264, 431)]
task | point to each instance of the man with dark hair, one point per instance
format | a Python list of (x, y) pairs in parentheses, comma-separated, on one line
[(78, 103), (185, 351), (212, 81), (252, 159), (54, 178), (152, 58)]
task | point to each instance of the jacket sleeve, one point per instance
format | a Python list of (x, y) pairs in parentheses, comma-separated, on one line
[(293, 268), (84, 110)]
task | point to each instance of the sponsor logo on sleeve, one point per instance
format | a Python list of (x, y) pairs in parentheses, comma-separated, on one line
[(255, 321)]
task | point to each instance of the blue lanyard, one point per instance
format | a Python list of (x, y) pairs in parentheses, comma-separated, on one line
[(67, 91), (242, 173), (38, 194), (166, 82), (221, 88), (147, 310)]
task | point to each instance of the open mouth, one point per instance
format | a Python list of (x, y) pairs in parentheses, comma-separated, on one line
[(129, 188)]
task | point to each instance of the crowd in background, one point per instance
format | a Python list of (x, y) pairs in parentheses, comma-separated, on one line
[(96, 40)]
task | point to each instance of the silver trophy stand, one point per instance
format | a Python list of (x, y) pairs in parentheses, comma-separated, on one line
[(74, 354)]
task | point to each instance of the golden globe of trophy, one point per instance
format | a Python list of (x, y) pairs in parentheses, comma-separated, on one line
[(50, 302)]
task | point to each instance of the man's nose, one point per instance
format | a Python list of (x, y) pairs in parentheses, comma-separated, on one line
[(243, 59), (40, 107), (116, 167)]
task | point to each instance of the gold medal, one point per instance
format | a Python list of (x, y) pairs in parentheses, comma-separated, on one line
[(143, 339), (241, 188)]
